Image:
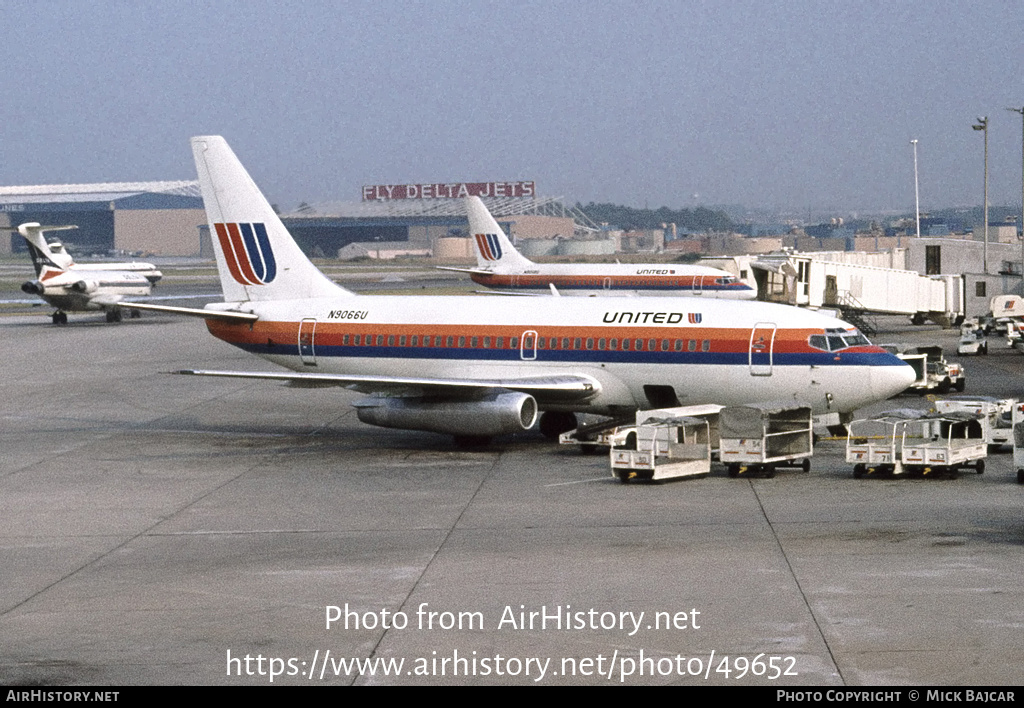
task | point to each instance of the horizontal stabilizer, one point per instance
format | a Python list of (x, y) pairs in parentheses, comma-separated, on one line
[(229, 315)]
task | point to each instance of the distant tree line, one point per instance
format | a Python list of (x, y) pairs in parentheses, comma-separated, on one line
[(628, 218)]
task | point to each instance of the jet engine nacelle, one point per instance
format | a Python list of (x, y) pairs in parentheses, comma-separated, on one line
[(496, 414), (85, 286), (33, 287)]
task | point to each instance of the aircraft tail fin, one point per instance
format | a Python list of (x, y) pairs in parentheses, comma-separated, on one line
[(493, 247), (257, 258), (39, 249)]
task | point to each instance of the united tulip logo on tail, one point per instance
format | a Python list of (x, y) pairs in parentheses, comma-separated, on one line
[(489, 246), (247, 251)]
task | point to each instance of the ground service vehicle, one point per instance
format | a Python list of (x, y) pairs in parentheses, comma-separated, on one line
[(943, 443), (994, 415), (760, 437), (663, 448)]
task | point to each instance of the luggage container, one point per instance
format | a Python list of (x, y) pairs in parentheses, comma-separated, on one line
[(761, 437), (664, 448)]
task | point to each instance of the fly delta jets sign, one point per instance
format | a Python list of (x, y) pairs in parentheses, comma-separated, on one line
[(447, 190)]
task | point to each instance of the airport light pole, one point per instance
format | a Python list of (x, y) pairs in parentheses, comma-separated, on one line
[(982, 125), (917, 192), (1021, 111)]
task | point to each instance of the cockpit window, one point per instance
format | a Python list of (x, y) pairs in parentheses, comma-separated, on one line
[(835, 339)]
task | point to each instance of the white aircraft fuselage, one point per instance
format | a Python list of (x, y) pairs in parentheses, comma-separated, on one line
[(703, 351), (82, 289), (501, 266), (612, 279)]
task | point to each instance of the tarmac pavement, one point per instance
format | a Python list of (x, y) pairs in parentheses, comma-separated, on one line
[(158, 529)]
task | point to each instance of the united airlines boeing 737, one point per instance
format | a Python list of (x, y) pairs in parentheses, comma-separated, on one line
[(476, 367)]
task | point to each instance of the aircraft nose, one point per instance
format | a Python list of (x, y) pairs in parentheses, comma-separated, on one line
[(887, 381)]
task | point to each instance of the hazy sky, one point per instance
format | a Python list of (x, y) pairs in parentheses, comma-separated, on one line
[(791, 104)]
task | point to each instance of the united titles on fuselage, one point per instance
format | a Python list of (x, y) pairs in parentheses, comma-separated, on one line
[(643, 317)]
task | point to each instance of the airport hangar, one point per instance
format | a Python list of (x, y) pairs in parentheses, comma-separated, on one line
[(167, 219)]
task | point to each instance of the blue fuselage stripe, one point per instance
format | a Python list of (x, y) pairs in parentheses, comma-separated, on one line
[(580, 356)]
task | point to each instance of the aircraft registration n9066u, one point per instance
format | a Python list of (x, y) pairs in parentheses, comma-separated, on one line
[(501, 266), (476, 367)]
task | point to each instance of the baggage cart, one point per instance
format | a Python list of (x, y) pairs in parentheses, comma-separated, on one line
[(873, 444), (664, 448), (761, 437), (943, 443)]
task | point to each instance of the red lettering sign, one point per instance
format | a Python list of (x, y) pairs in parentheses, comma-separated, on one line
[(448, 190)]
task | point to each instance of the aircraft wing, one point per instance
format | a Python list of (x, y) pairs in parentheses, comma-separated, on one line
[(508, 292), (558, 388), (554, 292)]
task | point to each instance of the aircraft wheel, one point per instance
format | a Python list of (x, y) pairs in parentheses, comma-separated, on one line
[(134, 314), (806, 464), (858, 471), (960, 385), (60, 318), (554, 423)]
